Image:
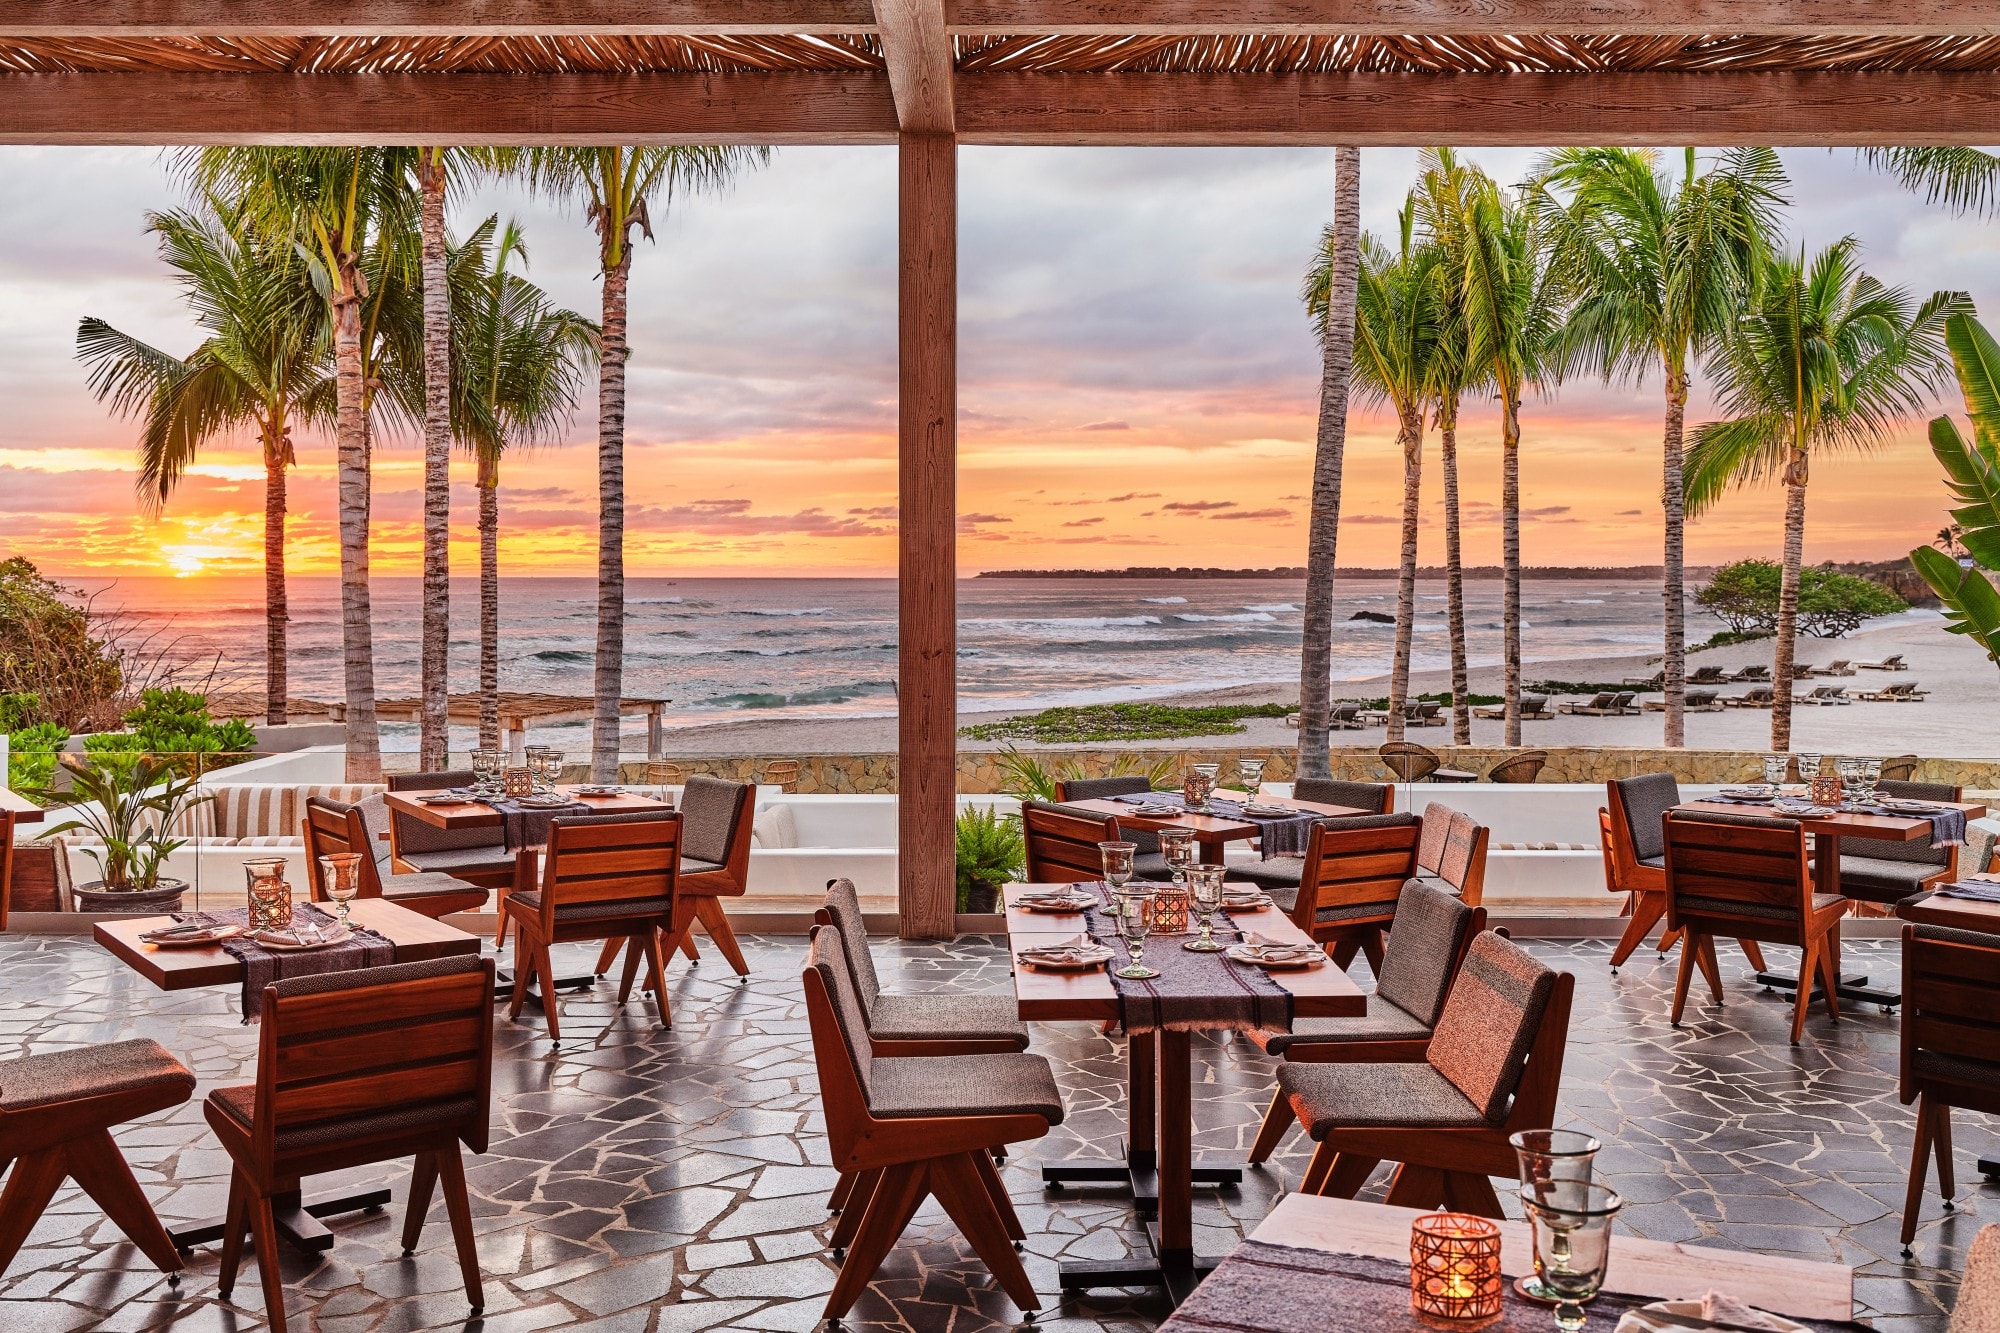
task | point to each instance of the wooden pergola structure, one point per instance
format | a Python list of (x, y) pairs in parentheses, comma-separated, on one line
[(928, 75)]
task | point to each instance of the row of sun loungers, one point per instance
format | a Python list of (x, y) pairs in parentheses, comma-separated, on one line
[(1715, 675)]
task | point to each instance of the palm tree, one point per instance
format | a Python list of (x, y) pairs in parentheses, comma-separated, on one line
[(336, 205), (1965, 180), (434, 676), (618, 185), (261, 365), (1395, 344), (1342, 242), (1493, 250), (1827, 359), (518, 367), (1656, 271), (1452, 378)]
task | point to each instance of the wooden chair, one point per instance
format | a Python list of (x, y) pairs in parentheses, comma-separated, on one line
[(1491, 1070), (1427, 943), (1747, 877), (905, 1127), (332, 827), (56, 1114), (1523, 767), (1353, 873), (1451, 855), (717, 819), (355, 1068), (604, 877), (1148, 862), (40, 880), (1635, 864), (1950, 1045), (477, 856), (1062, 843)]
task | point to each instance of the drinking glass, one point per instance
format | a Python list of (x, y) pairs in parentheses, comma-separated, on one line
[(532, 757), (1135, 923), (1205, 890), (1117, 862), (1209, 773), (1177, 848), (1548, 1157), (486, 766), (552, 766), (1871, 773), (340, 874), (1250, 772), (1849, 768), (1808, 765), (1774, 768), (1571, 1223)]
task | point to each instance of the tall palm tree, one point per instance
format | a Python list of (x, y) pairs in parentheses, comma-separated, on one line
[(262, 365), (1827, 359), (518, 366), (336, 205), (434, 675), (1656, 270), (1452, 378), (1342, 242), (618, 187), (1494, 253), (1395, 346)]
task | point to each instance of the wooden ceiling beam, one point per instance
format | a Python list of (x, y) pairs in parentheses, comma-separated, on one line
[(427, 18), (146, 108), (918, 54), (1531, 110), (1855, 18)]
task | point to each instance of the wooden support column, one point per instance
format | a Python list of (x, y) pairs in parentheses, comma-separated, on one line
[(927, 594)]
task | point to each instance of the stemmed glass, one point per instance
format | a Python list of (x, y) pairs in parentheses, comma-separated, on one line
[(340, 875), (1870, 773), (1547, 1158), (1177, 849), (1571, 1221), (486, 765), (1135, 923), (532, 755), (1117, 858), (552, 765), (1808, 765), (1775, 766), (1849, 769), (1205, 890), (1250, 772), (1208, 774)]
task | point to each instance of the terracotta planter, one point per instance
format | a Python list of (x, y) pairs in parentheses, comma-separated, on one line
[(164, 896)]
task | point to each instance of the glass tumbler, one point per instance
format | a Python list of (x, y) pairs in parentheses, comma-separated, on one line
[(1135, 923), (1205, 890), (1571, 1225), (1117, 858)]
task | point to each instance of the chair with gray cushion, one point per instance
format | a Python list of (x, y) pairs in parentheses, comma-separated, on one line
[(1148, 862), (1427, 941), (1950, 1045), (56, 1114), (1875, 870), (475, 855), (716, 823), (1353, 871), (904, 1127), (1636, 863), (332, 827), (1492, 1069)]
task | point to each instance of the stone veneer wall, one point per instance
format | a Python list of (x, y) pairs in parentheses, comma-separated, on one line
[(980, 773)]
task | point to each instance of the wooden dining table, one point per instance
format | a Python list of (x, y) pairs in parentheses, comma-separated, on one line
[(477, 814), (1159, 1166), (1212, 832)]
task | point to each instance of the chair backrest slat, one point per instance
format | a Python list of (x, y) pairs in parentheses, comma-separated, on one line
[(1351, 862), (1742, 867), (842, 1051), (330, 828), (1377, 798), (1062, 843), (609, 859), (1427, 942), (1951, 997)]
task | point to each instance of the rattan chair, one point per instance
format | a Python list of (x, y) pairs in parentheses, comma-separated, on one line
[(1523, 767), (1409, 761)]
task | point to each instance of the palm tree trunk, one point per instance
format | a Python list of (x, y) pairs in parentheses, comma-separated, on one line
[(1510, 558), (357, 638), (434, 688), (1411, 438), (1454, 574), (1788, 603), (489, 603), (276, 611), (610, 677), (1673, 583), (1336, 373)]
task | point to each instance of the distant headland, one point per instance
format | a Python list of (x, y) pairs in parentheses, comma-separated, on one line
[(1298, 572)]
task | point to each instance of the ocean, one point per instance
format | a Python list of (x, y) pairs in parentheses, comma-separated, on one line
[(739, 648)]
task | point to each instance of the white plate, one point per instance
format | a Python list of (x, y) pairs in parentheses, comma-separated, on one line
[(1247, 953), (1761, 793), (1156, 811), (1904, 807), (1256, 904), (1273, 811)]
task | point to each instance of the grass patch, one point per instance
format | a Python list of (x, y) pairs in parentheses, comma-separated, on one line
[(1123, 722), (1722, 638)]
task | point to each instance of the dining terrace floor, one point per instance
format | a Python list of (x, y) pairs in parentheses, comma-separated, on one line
[(642, 1181)]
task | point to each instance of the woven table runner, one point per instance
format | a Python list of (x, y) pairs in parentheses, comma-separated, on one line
[(528, 825), (1262, 1288), (263, 966), (1195, 992), (1278, 837), (1947, 824)]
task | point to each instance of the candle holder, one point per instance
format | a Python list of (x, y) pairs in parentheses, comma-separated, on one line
[(1170, 910), (1198, 784), (517, 782), (1455, 1266), (1824, 789), (269, 893)]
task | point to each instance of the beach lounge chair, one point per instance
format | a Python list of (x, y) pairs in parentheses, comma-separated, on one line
[(1822, 694), (1838, 667), (1707, 675), (1599, 705), (1623, 705), (1893, 662), (1900, 692), (1347, 717), (1534, 708), (1751, 673), (1653, 682), (1695, 701), (1759, 696), (1424, 713), (1802, 671)]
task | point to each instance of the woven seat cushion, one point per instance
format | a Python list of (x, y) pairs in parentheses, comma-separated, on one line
[(1330, 1097), (1150, 866), (910, 1087), (1655, 862), (624, 907), (1333, 916), (1691, 905), (708, 819), (1955, 1069), (425, 884), (1278, 873), (691, 866), (1383, 1022), (92, 1071), (445, 861), (1490, 1022), (1430, 881), (946, 1018), (1882, 879), (240, 1105), (1368, 796)]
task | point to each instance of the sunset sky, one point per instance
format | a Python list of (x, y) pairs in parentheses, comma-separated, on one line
[(1137, 380)]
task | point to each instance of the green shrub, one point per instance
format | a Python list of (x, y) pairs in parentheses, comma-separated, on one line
[(175, 725), (1745, 596), (1027, 778), (1122, 722), (51, 652), (32, 745)]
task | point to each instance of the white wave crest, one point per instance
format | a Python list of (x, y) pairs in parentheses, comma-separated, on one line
[(1165, 601), (1248, 618), (1278, 607)]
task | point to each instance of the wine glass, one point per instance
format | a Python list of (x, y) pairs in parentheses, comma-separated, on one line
[(1775, 766), (1571, 1224), (340, 875), (1117, 857), (1871, 773), (1849, 768), (1546, 1157), (531, 757), (1205, 890), (1177, 849), (552, 766), (1135, 923), (1250, 772), (1207, 774), (1808, 765)]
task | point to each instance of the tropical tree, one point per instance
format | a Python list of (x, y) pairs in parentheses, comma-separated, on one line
[(1452, 377), (1972, 473), (1655, 270), (1342, 242), (1494, 260), (618, 186), (261, 365), (434, 675), (335, 205), (1825, 360)]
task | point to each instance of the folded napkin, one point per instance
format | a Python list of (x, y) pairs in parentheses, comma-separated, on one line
[(1075, 949), (1978, 891), (1279, 951), (1717, 1308)]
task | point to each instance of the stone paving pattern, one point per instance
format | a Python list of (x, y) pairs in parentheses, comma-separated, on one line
[(643, 1181)]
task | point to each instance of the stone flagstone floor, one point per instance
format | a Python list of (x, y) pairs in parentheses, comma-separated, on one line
[(642, 1181)]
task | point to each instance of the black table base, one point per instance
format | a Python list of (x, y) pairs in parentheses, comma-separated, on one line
[(1990, 1168), (298, 1221), (1178, 1272), (1853, 987), (1137, 1172)]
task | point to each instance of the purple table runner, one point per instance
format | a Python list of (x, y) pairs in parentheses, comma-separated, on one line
[(528, 825), (1195, 992), (1277, 837), (1947, 823), (263, 966)]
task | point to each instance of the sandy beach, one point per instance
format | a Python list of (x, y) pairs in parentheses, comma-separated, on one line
[(1961, 718)]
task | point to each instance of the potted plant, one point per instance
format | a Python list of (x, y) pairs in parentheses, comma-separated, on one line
[(991, 851), (128, 806)]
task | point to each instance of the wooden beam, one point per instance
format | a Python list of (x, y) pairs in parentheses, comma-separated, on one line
[(918, 53), (1469, 17), (1531, 110), (927, 539), (426, 18), (147, 108)]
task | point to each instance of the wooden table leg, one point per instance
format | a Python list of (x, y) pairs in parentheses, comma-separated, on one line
[(1176, 1146)]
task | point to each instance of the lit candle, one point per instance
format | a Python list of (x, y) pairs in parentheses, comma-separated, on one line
[(1455, 1266)]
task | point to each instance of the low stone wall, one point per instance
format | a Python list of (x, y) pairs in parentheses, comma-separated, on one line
[(979, 772)]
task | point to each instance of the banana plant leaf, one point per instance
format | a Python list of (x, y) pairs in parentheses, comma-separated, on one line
[(1972, 468), (1971, 603)]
